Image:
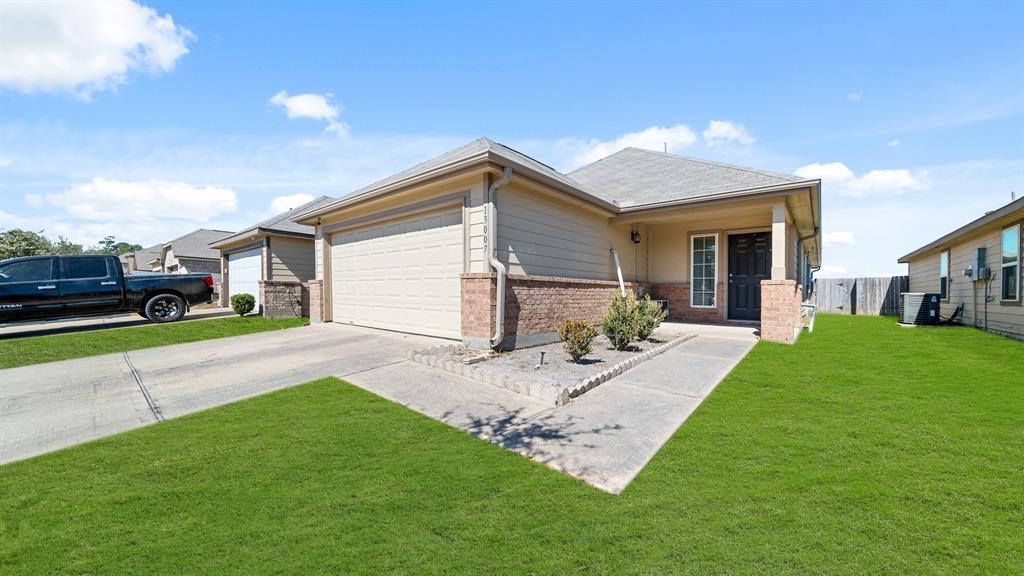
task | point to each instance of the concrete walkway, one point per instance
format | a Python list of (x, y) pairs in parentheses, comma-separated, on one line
[(48, 327), (605, 437)]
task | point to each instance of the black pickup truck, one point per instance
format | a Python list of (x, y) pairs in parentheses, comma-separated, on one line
[(52, 287)]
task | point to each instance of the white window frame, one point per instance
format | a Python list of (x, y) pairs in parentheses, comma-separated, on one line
[(1003, 266), (944, 297), (693, 238)]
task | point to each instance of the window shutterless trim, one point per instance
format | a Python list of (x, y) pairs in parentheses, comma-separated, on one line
[(714, 293), (944, 297), (1016, 263)]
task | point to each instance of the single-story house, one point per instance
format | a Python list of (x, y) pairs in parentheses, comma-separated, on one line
[(490, 246), (273, 261), (140, 259), (191, 254), (977, 266)]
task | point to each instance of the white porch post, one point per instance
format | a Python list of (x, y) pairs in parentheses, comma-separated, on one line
[(779, 241)]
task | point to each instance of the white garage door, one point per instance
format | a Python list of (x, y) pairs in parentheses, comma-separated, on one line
[(244, 272), (403, 275)]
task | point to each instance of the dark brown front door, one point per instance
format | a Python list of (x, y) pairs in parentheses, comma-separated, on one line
[(750, 261)]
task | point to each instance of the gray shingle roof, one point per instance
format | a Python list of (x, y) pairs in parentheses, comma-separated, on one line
[(285, 221), (629, 178), (145, 255), (636, 177), (197, 244)]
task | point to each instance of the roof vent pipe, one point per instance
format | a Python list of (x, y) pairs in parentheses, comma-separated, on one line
[(492, 256)]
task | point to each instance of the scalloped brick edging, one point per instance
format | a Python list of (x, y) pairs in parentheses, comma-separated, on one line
[(616, 370), (548, 392)]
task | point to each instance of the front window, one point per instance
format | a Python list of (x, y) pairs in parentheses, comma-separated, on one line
[(944, 275), (704, 270), (1011, 263), (27, 271), (81, 268)]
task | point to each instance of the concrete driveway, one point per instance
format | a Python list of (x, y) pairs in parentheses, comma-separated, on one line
[(604, 437), (50, 406)]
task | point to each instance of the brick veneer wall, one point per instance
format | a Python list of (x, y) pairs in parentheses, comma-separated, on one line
[(534, 306), (678, 297), (316, 301), (780, 310), (283, 299)]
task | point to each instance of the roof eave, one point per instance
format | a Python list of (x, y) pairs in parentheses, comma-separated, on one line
[(744, 193), (257, 231), (971, 226), (483, 157)]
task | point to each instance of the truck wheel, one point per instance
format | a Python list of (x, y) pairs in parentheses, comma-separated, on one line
[(165, 308)]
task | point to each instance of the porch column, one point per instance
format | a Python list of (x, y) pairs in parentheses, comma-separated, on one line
[(779, 241)]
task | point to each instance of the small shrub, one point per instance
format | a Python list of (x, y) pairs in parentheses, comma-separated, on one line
[(242, 304), (620, 323), (649, 317), (577, 337)]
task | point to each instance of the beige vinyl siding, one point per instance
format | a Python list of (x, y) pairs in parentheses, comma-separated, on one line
[(542, 235), (1003, 317), (291, 259), (669, 251), (318, 253)]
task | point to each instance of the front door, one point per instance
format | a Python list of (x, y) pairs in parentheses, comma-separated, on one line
[(750, 261), (28, 290)]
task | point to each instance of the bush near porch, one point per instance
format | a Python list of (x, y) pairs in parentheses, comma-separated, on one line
[(863, 449)]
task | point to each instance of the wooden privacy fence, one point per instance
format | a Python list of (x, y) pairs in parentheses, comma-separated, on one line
[(866, 296)]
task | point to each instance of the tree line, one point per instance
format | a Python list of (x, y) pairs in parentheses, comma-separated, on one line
[(16, 242)]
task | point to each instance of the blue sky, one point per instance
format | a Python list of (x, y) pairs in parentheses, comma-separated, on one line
[(149, 121)]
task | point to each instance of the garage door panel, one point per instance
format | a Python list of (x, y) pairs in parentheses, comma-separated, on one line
[(401, 276), (245, 269)]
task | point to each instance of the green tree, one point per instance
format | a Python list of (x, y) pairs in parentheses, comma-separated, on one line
[(65, 247), (17, 242), (110, 245)]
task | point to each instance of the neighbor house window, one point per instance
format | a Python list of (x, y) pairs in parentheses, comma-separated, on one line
[(1011, 263), (944, 275), (704, 270)]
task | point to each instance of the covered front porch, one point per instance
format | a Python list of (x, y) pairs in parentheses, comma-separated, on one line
[(744, 262)]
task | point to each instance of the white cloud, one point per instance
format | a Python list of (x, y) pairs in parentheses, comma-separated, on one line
[(721, 132), (312, 106), (34, 200), (839, 178), (839, 238), (145, 201), (85, 47), (831, 172), (284, 203), (894, 143), (675, 138), (855, 96), (831, 271)]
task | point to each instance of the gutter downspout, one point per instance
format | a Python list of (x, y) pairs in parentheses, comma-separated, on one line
[(492, 256), (618, 269)]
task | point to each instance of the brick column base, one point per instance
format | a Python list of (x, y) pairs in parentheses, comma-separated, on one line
[(780, 310), (479, 291), (284, 299), (316, 301), (222, 297)]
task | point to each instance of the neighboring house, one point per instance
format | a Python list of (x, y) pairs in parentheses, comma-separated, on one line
[(429, 249), (140, 259), (191, 254), (273, 261), (987, 283)]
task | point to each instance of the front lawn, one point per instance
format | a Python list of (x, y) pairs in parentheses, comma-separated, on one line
[(864, 449), (38, 349)]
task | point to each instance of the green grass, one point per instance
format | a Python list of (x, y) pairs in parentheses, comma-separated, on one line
[(38, 349), (863, 449)]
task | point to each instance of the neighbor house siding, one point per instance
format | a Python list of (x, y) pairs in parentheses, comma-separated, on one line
[(542, 235), (1003, 317), (291, 259)]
